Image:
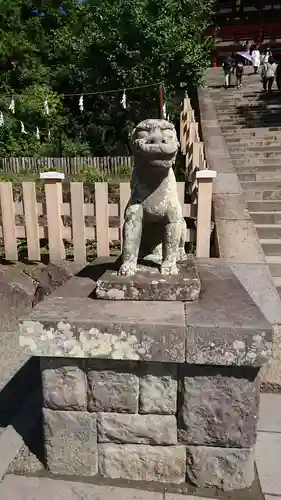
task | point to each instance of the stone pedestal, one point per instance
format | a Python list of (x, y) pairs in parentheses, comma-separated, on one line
[(152, 391), (149, 284)]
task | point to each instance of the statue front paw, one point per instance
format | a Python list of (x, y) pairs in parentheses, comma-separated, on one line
[(127, 269), (169, 268), (182, 255)]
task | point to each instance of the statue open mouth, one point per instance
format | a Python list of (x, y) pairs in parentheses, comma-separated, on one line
[(160, 149)]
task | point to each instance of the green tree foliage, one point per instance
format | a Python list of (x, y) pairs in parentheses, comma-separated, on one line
[(50, 48)]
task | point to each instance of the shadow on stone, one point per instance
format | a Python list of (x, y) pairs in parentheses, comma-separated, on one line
[(100, 266), (14, 394)]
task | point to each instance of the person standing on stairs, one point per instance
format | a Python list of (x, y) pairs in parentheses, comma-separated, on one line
[(228, 67), (268, 74), (278, 75), (256, 59), (247, 48), (239, 74), (266, 56)]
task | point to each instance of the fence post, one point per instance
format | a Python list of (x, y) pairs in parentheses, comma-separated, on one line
[(191, 137), (8, 220), (53, 193), (185, 118), (204, 211)]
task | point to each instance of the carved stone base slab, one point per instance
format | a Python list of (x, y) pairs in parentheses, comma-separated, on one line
[(149, 284)]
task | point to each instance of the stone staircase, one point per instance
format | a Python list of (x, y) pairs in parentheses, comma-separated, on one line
[(251, 124)]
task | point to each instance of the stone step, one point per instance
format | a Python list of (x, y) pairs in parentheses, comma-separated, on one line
[(232, 95), (252, 142), (271, 246), (240, 118), (253, 149), (230, 126), (240, 112), (264, 205), (262, 170), (247, 108), (274, 264), (246, 140), (227, 125), (256, 161), (261, 186), (257, 115), (240, 107), (247, 177), (271, 231), (252, 155), (277, 281), (245, 96), (256, 195), (260, 133), (260, 176), (266, 217), (247, 105)]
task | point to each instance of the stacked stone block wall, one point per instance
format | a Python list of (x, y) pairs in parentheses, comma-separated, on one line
[(150, 421)]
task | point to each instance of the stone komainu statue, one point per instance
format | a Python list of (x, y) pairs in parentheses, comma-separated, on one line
[(153, 216)]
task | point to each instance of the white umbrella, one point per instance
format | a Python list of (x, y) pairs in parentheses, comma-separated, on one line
[(246, 55)]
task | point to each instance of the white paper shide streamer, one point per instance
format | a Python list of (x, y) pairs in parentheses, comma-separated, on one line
[(23, 131), (164, 112), (81, 103), (124, 100), (46, 107), (12, 105), (1, 119), (37, 133)]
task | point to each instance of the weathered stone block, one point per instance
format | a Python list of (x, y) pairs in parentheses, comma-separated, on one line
[(165, 464), (113, 387), (64, 384), (77, 327), (225, 327), (219, 406), (225, 468), (137, 429), (158, 388), (149, 284), (70, 442)]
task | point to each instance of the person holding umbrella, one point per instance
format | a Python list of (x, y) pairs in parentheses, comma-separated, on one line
[(228, 68)]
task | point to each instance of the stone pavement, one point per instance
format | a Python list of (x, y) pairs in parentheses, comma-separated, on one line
[(27, 488), (268, 447)]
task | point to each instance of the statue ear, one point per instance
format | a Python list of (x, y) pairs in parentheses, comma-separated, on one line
[(132, 134)]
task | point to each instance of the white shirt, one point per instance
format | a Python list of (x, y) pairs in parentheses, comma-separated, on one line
[(256, 57), (266, 57)]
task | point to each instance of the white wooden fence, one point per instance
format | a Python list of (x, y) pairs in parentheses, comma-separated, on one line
[(31, 229)]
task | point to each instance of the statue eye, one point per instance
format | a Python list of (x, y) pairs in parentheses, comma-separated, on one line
[(142, 134)]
